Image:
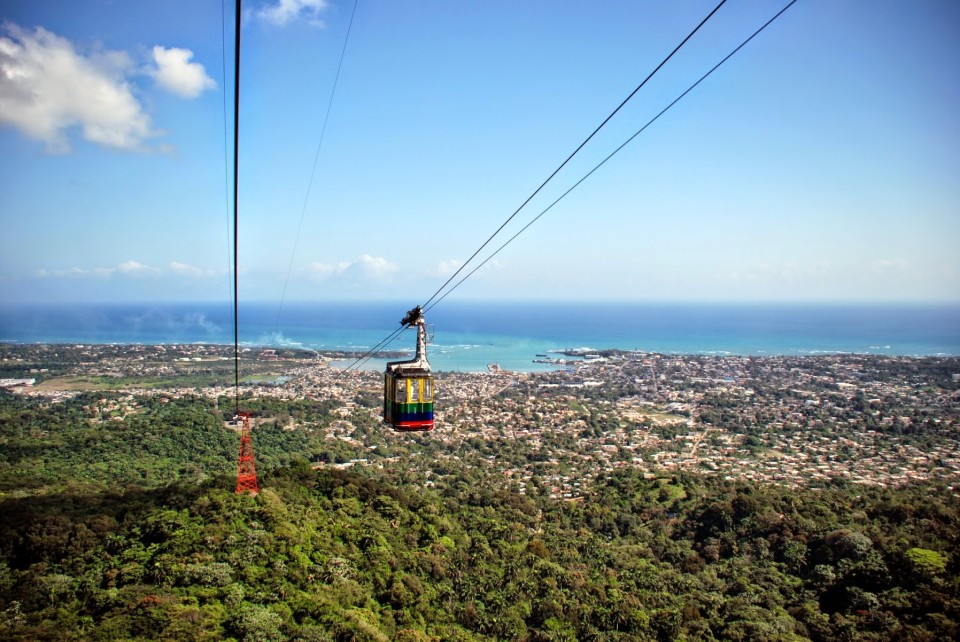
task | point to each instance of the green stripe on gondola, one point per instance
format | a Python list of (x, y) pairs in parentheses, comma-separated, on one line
[(413, 407)]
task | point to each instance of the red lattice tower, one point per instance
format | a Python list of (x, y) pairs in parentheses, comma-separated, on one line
[(247, 475)]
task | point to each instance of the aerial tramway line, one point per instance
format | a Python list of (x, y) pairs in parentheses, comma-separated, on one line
[(408, 385), (408, 391), (246, 468)]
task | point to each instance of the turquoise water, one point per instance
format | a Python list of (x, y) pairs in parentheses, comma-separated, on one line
[(469, 335)]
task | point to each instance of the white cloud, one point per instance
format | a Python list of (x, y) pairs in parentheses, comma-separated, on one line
[(76, 272), (178, 75), (128, 268), (373, 266), (444, 269), (185, 269), (488, 267), (46, 88), (136, 268), (323, 271), (365, 268), (286, 11), (61, 273)]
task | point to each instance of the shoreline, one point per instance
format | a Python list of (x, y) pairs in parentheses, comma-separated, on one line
[(18, 360), (354, 352)]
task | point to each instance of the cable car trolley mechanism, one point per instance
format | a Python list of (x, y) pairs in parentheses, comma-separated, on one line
[(408, 385)]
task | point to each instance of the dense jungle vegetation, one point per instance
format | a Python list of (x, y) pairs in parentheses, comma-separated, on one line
[(120, 522)]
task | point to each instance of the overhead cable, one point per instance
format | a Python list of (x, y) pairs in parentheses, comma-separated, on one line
[(316, 158), (226, 153), (236, 210), (366, 356), (393, 335), (574, 153), (612, 154), (427, 305)]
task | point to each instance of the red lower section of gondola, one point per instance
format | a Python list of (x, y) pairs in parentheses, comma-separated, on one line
[(414, 425)]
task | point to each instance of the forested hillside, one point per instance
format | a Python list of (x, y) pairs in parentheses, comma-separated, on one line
[(120, 521)]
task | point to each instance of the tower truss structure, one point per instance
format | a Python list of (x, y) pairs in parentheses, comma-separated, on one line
[(247, 473)]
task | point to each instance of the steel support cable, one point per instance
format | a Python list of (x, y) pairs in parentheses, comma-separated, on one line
[(427, 305), (604, 161), (236, 210), (226, 152), (316, 158), (612, 154), (574, 153), (366, 356)]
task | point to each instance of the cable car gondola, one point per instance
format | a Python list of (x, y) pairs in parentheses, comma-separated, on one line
[(408, 385)]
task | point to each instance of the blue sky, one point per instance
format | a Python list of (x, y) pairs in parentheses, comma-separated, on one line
[(822, 163)]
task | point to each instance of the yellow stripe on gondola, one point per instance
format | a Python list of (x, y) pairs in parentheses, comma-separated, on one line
[(423, 390)]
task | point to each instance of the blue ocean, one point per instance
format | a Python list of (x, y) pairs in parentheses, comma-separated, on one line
[(467, 336)]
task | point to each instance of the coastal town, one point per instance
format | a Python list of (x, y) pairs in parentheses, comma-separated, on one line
[(796, 421)]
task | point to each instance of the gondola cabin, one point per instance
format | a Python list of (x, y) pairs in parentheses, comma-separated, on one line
[(408, 401), (408, 385)]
